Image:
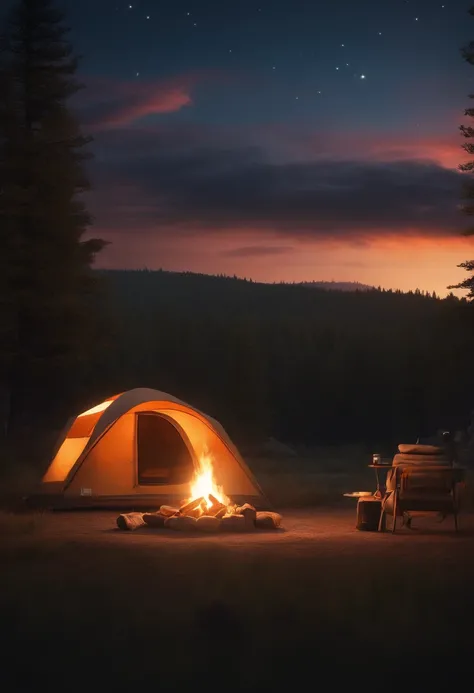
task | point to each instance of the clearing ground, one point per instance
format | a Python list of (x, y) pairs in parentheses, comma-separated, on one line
[(311, 533), (83, 602)]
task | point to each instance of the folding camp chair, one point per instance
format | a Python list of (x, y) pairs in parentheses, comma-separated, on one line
[(421, 488)]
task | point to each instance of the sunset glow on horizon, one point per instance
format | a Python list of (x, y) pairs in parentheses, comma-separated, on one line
[(245, 142)]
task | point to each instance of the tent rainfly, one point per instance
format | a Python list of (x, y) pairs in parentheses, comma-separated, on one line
[(141, 449)]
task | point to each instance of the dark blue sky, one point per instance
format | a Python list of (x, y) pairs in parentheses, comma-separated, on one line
[(238, 122), (263, 55)]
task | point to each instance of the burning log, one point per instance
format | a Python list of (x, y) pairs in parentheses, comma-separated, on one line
[(188, 508), (130, 521), (208, 523), (268, 520), (217, 509), (196, 512), (180, 523), (168, 511), (154, 519)]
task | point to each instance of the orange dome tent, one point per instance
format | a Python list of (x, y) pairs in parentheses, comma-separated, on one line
[(141, 449)]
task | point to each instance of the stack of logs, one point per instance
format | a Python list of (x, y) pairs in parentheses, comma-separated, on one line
[(203, 517)]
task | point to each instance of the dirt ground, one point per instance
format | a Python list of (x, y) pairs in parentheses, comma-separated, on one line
[(158, 609), (305, 532)]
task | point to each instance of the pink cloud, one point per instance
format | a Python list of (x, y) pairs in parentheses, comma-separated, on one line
[(107, 103)]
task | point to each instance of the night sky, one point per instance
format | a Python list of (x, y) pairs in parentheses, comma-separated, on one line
[(278, 140)]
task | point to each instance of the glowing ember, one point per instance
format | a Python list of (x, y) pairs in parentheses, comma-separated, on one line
[(204, 485)]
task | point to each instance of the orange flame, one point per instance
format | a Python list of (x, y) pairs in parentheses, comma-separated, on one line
[(204, 483)]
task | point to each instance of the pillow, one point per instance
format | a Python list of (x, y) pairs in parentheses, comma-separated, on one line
[(417, 449)]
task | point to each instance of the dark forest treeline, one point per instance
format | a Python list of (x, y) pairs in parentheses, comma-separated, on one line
[(302, 364)]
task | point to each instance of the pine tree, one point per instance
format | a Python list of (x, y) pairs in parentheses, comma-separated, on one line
[(468, 167), (45, 265)]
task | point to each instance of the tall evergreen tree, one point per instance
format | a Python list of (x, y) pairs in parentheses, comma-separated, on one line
[(468, 167), (46, 282)]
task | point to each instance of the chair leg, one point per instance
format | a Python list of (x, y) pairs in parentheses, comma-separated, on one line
[(382, 523), (394, 525), (455, 507), (381, 527)]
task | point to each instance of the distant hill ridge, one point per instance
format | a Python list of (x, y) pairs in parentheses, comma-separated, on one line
[(338, 286), (183, 282), (328, 285)]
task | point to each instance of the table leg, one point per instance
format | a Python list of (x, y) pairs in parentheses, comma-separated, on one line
[(378, 492)]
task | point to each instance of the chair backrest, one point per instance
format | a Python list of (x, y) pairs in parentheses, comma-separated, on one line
[(426, 481)]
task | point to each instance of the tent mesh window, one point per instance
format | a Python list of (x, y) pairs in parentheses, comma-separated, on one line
[(162, 454)]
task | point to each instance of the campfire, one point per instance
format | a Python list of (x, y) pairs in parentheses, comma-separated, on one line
[(207, 498), (207, 509)]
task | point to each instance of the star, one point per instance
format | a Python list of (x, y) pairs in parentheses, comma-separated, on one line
[(337, 68), (195, 24), (148, 16), (342, 45), (273, 68), (362, 76), (347, 64), (416, 19), (297, 97), (380, 33)]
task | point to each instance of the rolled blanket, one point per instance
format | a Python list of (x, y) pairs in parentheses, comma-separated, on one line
[(419, 449)]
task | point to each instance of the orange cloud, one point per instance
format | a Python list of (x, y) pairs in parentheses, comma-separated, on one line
[(445, 151)]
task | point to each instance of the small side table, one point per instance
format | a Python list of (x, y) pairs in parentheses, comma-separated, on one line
[(379, 493), (369, 508)]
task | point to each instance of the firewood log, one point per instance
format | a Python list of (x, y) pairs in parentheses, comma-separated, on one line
[(192, 505), (250, 514), (214, 500), (195, 512), (233, 523), (220, 513), (181, 523), (168, 511), (268, 520), (215, 509), (208, 523), (130, 521), (246, 506), (154, 519)]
